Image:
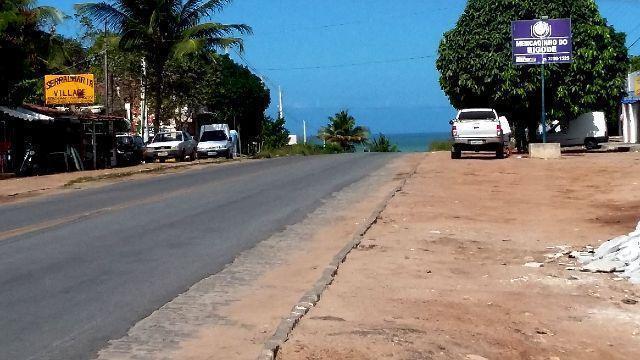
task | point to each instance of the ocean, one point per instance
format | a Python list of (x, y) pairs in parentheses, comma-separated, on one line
[(416, 142), (412, 142)]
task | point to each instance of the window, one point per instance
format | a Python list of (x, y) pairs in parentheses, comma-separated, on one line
[(477, 115), (166, 137), (216, 135)]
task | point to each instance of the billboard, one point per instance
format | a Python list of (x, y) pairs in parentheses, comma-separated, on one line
[(538, 42), (69, 89)]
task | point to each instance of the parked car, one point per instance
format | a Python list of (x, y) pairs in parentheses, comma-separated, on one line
[(480, 130), (588, 130), (215, 140), (129, 149), (176, 145)]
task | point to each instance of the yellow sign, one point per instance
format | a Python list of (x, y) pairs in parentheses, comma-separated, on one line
[(69, 89), (637, 85)]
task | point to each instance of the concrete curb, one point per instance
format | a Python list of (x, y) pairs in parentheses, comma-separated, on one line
[(312, 297)]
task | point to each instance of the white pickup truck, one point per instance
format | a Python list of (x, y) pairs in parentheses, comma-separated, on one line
[(480, 130)]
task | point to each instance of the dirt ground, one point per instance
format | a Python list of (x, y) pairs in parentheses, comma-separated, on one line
[(441, 275)]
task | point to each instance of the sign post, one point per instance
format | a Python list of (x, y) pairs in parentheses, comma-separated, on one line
[(540, 42)]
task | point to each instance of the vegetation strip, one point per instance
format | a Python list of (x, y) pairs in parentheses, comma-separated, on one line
[(312, 297), (116, 175)]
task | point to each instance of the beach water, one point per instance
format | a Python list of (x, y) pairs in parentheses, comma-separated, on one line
[(417, 142)]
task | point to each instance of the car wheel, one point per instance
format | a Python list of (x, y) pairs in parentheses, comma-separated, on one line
[(500, 153), (590, 144)]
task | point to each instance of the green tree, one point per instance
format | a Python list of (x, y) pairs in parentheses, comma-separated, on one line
[(235, 95), (634, 63), (476, 69), (125, 67), (164, 29), (274, 134), (382, 144), (342, 130), (28, 47)]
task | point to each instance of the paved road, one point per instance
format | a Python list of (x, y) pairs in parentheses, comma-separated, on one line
[(79, 269)]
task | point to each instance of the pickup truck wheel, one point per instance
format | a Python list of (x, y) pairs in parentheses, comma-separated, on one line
[(456, 153), (500, 153)]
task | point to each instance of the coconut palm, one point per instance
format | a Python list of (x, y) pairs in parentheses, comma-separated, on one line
[(342, 130), (163, 29), (28, 46)]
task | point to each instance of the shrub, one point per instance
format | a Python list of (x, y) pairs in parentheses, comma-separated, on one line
[(382, 144), (441, 145)]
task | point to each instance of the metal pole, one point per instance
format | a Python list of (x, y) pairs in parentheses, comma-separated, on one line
[(304, 130), (544, 115), (106, 70), (144, 127), (93, 142)]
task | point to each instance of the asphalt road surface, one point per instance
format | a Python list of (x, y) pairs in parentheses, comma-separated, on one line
[(79, 269)]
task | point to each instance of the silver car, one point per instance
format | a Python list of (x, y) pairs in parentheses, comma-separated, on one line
[(176, 145)]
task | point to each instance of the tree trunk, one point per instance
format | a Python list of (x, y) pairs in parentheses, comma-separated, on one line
[(158, 86)]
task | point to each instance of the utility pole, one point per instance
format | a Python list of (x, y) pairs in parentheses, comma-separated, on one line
[(106, 71), (304, 131), (143, 107), (280, 106)]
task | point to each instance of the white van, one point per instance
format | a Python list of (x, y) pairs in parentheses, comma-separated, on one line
[(215, 140), (588, 129)]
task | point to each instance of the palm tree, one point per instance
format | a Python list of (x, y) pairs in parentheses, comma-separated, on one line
[(26, 36), (342, 130), (163, 29)]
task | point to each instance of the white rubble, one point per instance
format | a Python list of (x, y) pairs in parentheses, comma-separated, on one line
[(621, 254)]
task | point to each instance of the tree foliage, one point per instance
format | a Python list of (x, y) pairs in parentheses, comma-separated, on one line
[(274, 133), (342, 130), (476, 69), (381, 143), (165, 29), (234, 94), (29, 48), (634, 64)]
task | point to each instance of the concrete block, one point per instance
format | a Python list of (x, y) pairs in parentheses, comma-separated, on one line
[(545, 151)]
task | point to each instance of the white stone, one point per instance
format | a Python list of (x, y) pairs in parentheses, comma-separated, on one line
[(534, 265), (604, 266)]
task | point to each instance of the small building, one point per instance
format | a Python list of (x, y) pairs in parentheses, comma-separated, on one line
[(41, 140)]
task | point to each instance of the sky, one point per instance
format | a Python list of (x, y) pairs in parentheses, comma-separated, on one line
[(374, 57)]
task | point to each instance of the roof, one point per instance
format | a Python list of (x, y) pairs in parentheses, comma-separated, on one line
[(25, 114), (57, 113)]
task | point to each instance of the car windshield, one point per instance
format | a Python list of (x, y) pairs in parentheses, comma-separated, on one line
[(477, 115), (165, 137), (216, 135)]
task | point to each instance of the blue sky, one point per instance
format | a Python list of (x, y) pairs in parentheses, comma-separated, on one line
[(393, 86)]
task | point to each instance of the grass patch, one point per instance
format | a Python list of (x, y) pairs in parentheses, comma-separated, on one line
[(299, 150), (441, 145), (159, 168)]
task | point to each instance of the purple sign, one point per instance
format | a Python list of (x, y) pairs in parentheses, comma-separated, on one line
[(538, 42)]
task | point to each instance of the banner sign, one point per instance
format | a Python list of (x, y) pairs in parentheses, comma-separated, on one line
[(69, 89), (538, 42)]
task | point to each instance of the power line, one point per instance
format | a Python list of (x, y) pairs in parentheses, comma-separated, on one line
[(337, 66), (252, 68), (354, 22)]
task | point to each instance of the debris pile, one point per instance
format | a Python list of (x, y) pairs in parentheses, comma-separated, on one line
[(620, 255)]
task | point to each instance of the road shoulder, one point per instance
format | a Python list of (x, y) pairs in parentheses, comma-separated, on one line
[(231, 314)]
